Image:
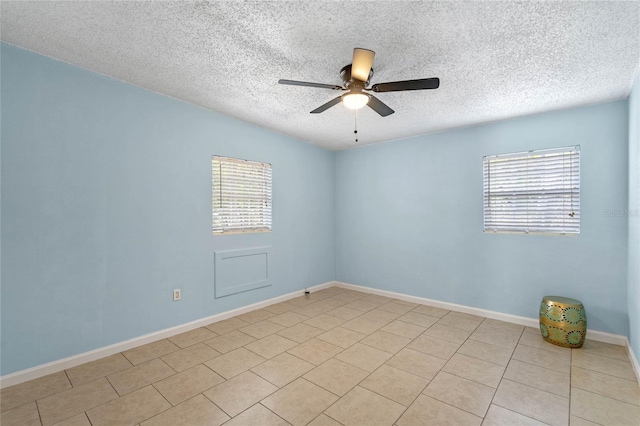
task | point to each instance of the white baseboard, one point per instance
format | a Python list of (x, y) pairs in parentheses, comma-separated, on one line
[(75, 360), (634, 360), (600, 336)]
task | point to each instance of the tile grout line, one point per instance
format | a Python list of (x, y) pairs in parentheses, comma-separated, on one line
[(599, 372), (608, 397), (540, 366), (596, 423), (38, 410), (246, 409), (505, 368), (523, 415), (610, 357), (535, 387), (597, 394), (68, 378), (605, 396), (334, 403), (314, 365), (266, 408), (570, 384), (258, 402), (221, 409), (503, 373), (335, 420), (100, 405), (472, 380), (171, 406), (414, 399)]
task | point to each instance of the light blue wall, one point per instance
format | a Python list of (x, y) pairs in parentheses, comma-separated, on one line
[(634, 218), (106, 207), (409, 218)]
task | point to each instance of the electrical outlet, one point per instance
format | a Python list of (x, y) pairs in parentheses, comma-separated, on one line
[(176, 294)]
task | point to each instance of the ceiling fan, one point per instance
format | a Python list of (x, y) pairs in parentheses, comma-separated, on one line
[(356, 78)]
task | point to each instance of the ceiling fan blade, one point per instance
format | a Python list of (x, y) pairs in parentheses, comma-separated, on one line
[(308, 84), (328, 105), (378, 106), (361, 64), (397, 86)]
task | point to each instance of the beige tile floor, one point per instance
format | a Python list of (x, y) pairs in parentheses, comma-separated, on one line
[(340, 357)]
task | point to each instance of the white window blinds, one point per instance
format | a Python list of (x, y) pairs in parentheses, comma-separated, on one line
[(241, 195), (533, 192)]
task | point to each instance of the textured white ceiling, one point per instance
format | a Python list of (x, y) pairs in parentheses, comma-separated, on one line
[(495, 60)]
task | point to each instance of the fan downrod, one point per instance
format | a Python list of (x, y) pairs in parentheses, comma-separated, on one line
[(353, 83)]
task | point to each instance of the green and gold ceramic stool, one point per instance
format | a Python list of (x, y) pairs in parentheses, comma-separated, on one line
[(563, 321)]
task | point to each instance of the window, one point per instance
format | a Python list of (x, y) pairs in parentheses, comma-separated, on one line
[(241, 195), (533, 192)]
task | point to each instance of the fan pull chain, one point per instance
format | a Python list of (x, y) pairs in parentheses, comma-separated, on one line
[(356, 126)]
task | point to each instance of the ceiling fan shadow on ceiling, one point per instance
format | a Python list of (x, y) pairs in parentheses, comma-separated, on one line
[(355, 79)]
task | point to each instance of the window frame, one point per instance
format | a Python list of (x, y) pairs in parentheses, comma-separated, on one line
[(549, 190), (262, 169)]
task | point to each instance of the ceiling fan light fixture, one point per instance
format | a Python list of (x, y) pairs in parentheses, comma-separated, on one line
[(355, 77), (355, 100)]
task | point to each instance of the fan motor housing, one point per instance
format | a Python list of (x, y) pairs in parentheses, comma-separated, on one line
[(349, 82)]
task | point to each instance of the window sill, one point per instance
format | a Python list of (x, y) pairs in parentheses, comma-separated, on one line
[(545, 234), (241, 231)]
